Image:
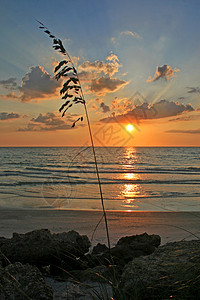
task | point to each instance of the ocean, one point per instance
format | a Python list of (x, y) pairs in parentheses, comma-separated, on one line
[(133, 179)]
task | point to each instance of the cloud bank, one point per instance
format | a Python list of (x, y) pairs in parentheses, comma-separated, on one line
[(161, 109), (37, 84), (49, 122)]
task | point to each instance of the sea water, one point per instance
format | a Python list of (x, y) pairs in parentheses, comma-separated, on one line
[(132, 179)]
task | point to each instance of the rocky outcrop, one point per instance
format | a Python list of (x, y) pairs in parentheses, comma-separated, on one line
[(22, 282), (41, 248), (134, 246), (143, 269), (125, 250), (171, 272)]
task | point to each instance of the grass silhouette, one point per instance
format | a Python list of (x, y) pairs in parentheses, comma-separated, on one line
[(73, 92)]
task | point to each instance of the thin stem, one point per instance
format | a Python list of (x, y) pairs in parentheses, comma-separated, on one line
[(98, 177), (94, 155)]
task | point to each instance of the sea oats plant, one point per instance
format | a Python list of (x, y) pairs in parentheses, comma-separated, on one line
[(72, 94)]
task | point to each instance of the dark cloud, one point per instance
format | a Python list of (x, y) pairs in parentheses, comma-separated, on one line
[(161, 109), (166, 108), (37, 84), (191, 131), (195, 90), (9, 83), (105, 108), (165, 72), (9, 116), (49, 122), (105, 85)]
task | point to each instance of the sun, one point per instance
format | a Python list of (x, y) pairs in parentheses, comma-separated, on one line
[(129, 127)]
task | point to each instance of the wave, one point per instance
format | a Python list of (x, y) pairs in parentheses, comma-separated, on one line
[(91, 181), (77, 172), (150, 196)]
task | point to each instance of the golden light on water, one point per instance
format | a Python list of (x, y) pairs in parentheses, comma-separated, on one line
[(131, 176), (129, 127), (131, 191)]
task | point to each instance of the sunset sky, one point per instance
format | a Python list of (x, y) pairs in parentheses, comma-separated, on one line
[(138, 62)]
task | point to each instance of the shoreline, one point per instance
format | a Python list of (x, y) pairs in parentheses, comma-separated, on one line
[(171, 226)]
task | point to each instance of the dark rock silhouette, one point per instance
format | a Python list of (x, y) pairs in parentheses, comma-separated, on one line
[(173, 270), (125, 250), (41, 248), (23, 282)]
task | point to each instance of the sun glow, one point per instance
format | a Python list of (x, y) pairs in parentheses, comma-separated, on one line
[(129, 127)]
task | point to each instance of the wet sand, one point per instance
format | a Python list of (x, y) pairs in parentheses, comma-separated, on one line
[(171, 226)]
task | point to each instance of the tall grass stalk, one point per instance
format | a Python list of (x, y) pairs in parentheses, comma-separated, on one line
[(69, 71)]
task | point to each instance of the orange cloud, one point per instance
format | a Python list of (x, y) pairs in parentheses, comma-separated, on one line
[(10, 95), (121, 105), (110, 67)]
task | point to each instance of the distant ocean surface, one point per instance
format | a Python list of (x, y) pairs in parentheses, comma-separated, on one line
[(133, 179)]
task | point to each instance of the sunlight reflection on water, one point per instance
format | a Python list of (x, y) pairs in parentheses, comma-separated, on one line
[(131, 192)]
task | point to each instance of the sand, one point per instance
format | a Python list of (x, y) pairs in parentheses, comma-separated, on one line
[(171, 226)]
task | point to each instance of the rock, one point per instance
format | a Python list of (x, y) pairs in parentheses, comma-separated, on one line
[(72, 242), (125, 250), (35, 247), (41, 248), (171, 272), (153, 239), (99, 249), (23, 282), (134, 246), (2, 241)]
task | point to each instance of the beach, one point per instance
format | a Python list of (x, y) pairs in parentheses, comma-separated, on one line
[(171, 226)]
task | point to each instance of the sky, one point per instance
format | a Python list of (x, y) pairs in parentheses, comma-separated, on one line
[(138, 63)]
